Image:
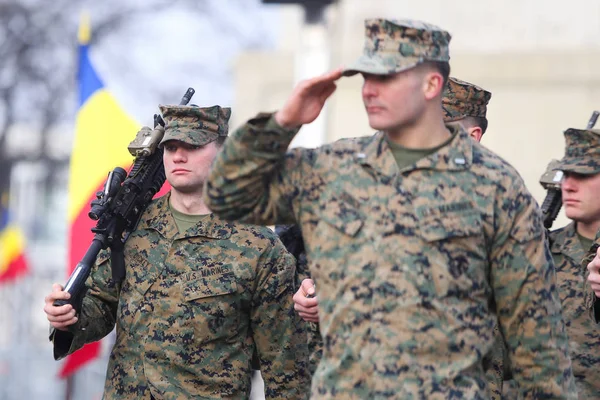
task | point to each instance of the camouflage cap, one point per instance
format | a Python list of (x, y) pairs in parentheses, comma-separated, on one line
[(393, 46), (195, 125), (582, 152), (463, 99)]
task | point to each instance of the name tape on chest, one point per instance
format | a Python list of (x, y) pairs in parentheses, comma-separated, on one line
[(444, 209)]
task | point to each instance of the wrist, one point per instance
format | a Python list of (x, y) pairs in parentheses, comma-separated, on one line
[(283, 121)]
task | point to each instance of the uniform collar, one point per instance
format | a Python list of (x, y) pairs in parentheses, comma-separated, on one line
[(455, 156), (567, 242), (159, 217)]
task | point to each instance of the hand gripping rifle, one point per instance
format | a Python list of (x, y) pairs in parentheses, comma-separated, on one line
[(120, 205), (551, 180)]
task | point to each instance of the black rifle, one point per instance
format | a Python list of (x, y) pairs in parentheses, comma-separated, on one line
[(550, 180), (119, 207), (291, 237)]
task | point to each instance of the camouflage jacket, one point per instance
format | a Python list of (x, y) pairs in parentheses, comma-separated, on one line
[(584, 336), (408, 262), (192, 310)]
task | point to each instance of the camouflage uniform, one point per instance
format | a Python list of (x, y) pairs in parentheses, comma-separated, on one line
[(581, 157), (415, 267), (584, 336), (463, 100), (584, 157), (195, 305)]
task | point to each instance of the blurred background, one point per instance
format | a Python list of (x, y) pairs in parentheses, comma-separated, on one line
[(539, 58)]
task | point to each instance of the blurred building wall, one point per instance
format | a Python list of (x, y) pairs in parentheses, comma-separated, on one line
[(538, 58)]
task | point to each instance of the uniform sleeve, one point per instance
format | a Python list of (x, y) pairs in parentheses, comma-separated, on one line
[(528, 307), (278, 332), (253, 179), (98, 312)]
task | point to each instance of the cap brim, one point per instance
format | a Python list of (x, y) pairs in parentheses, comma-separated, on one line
[(577, 167), (200, 141), (377, 66)]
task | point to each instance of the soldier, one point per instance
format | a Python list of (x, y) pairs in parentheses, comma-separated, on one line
[(200, 296), (420, 239), (463, 103), (580, 188), (466, 103)]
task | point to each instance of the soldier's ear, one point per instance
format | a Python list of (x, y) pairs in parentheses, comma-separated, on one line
[(433, 84), (475, 132)]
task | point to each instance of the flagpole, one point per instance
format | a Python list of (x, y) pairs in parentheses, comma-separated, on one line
[(69, 387), (83, 36)]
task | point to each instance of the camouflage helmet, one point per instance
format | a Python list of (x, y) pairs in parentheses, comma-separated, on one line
[(463, 99), (393, 46), (582, 152), (194, 125)]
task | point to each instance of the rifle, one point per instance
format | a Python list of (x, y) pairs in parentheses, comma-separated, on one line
[(291, 237), (551, 180), (120, 205)]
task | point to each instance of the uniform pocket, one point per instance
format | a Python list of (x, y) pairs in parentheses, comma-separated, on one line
[(456, 253), (214, 304), (342, 212), (338, 238)]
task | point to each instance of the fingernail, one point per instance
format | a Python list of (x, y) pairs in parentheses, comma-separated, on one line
[(311, 291)]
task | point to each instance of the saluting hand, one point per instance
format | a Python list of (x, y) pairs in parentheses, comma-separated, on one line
[(594, 276), (307, 100), (305, 302)]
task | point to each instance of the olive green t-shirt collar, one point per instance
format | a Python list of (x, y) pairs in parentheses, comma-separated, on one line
[(405, 156), (186, 221)]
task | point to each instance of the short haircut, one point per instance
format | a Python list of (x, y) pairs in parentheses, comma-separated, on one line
[(481, 122), (442, 67)]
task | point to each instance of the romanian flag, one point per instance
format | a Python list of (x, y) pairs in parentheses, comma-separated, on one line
[(102, 133), (12, 243)]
